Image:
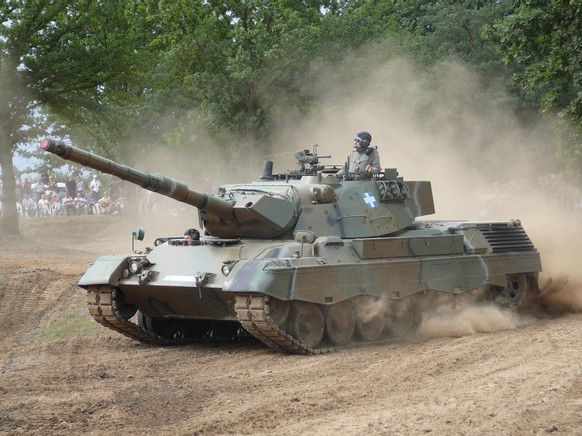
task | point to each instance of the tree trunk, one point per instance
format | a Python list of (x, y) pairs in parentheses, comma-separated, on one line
[(9, 218)]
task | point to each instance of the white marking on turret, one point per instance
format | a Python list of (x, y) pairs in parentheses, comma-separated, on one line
[(370, 200)]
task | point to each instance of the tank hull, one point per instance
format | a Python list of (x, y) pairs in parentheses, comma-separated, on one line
[(189, 283)]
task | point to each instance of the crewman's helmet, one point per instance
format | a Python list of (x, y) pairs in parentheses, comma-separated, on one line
[(363, 139)]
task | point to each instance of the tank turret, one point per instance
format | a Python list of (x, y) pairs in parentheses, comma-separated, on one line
[(312, 200)]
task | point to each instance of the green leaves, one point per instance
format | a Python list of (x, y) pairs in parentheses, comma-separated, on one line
[(161, 72), (543, 43)]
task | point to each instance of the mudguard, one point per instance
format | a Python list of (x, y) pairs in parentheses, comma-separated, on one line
[(106, 270)]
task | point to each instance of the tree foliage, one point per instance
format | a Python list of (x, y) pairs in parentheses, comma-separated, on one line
[(455, 30), (83, 62), (542, 41), (56, 58), (230, 65), (113, 73)]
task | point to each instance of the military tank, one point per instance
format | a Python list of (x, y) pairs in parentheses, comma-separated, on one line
[(304, 261)]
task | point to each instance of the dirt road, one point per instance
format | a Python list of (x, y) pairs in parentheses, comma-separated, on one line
[(482, 371)]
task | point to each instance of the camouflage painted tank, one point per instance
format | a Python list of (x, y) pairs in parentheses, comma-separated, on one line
[(301, 260)]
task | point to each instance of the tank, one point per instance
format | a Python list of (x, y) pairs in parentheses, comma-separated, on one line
[(304, 260)]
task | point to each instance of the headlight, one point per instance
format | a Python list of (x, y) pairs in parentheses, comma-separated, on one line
[(226, 269), (135, 267)]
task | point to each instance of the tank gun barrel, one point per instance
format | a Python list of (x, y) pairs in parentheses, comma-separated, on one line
[(152, 182)]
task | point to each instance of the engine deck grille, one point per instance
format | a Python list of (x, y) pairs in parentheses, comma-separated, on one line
[(504, 238)]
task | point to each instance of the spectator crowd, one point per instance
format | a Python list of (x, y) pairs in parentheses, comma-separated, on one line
[(49, 198)]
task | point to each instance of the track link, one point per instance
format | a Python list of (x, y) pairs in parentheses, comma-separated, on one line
[(252, 311), (103, 304)]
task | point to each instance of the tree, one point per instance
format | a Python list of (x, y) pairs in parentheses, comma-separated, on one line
[(230, 65), (542, 41), (8, 130), (17, 121), (76, 59)]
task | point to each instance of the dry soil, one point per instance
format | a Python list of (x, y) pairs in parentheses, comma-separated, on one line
[(479, 371)]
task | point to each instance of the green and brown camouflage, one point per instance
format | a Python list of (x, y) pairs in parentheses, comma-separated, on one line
[(298, 259)]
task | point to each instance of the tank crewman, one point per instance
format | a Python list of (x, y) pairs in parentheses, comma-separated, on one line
[(191, 235), (363, 161)]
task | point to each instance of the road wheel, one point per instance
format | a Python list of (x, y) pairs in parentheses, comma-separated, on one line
[(370, 318), (340, 323), (124, 307), (279, 311), (308, 324)]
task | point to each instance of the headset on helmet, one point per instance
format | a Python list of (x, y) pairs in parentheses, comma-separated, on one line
[(363, 138)]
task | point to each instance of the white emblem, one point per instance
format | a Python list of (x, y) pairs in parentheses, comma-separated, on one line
[(369, 199)]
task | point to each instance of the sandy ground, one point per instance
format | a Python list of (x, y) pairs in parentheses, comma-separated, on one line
[(482, 371)]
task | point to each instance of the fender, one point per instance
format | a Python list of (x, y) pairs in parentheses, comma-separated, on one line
[(106, 270)]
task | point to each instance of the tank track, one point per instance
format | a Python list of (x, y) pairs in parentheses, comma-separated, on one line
[(252, 311), (103, 305)]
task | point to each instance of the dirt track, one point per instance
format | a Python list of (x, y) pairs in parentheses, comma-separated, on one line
[(60, 373)]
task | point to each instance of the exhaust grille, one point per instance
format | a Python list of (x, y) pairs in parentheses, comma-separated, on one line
[(504, 238)]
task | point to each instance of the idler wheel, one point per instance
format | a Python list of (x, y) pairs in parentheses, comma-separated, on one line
[(279, 311), (515, 290), (521, 292), (308, 324), (370, 319), (124, 307), (340, 323)]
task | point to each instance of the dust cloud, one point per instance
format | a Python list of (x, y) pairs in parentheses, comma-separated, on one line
[(484, 163), (435, 315), (441, 124), (562, 294), (198, 162), (453, 322)]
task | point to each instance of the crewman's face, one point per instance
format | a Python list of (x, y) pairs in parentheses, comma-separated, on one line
[(358, 144)]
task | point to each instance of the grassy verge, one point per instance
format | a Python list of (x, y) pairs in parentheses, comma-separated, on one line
[(70, 320)]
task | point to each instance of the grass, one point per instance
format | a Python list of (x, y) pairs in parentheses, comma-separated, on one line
[(71, 320)]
